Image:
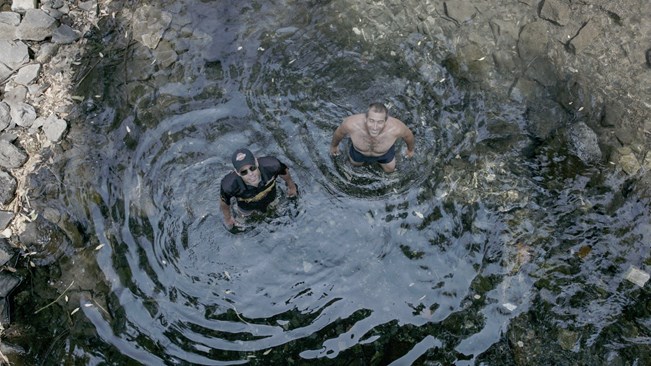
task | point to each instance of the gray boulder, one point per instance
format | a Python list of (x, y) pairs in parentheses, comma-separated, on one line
[(22, 114), (65, 35), (27, 74), (22, 5), (13, 54), (36, 26), (5, 116), (11, 156), (556, 11), (8, 23), (5, 219), (8, 187), (584, 143), (54, 128)]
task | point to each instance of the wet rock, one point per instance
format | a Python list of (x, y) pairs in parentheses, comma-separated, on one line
[(27, 74), (614, 112), (584, 143), (625, 135), (8, 187), (556, 11), (648, 57), (460, 11), (5, 116), (65, 35), (21, 6), (165, 54), (526, 89), (567, 339), (8, 23), (5, 219), (533, 41), (45, 238), (11, 156), (544, 118), (54, 128), (13, 54), (505, 32), (586, 37), (36, 26), (22, 114), (626, 159), (149, 25)]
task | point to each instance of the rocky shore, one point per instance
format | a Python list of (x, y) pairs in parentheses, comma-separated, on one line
[(583, 69), (40, 42)]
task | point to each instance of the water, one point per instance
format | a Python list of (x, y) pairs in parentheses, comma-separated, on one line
[(483, 240)]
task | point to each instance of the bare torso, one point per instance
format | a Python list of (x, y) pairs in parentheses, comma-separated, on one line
[(367, 144)]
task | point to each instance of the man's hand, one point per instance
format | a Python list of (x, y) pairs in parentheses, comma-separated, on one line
[(334, 150), (230, 223), (292, 191), (409, 154)]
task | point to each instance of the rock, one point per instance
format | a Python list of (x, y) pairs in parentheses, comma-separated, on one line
[(54, 128), (626, 159), (27, 74), (5, 219), (65, 35), (460, 11), (5, 255), (614, 112), (22, 114), (533, 41), (566, 338), (8, 23), (38, 123), (11, 156), (46, 52), (585, 38), (21, 6), (89, 6), (8, 282), (544, 118), (648, 57), (556, 11), (165, 54), (13, 54), (584, 143), (5, 116), (36, 26), (149, 25), (45, 238), (8, 187)]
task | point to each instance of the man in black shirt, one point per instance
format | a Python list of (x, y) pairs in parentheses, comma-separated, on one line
[(252, 184)]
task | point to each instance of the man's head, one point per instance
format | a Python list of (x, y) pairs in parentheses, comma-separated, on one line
[(376, 118), (246, 166)]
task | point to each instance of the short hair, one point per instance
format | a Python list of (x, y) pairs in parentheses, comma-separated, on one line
[(378, 108)]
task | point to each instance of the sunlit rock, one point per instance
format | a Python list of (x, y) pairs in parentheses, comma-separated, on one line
[(5, 115), (149, 25), (584, 143), (54, 128), (8, 185), (13, 54), (11, 156), (36, 26), (22, 114), (627, 160), (27, 74), (556, 11), (8, 23)]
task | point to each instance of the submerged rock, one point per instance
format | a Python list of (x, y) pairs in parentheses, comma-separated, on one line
[(584, 143)]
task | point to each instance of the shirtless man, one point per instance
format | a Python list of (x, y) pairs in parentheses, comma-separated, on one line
[(373, 137)]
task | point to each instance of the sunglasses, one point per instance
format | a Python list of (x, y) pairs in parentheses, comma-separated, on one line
[(244, 172)]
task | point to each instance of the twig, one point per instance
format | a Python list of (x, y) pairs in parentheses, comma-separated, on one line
[(57, 299)]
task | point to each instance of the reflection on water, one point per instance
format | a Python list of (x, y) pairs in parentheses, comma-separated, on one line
[(483, 231)]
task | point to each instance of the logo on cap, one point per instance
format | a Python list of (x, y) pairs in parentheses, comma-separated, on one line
[(240, 156)]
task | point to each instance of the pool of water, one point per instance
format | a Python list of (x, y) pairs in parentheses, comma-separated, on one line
[(485, 246)]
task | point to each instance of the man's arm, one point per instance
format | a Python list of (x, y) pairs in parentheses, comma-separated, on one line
[(226, 211), (291, 186), (408, 136), (339, 134)]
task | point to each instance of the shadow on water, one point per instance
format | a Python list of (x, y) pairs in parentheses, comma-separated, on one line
[(447, 260)]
